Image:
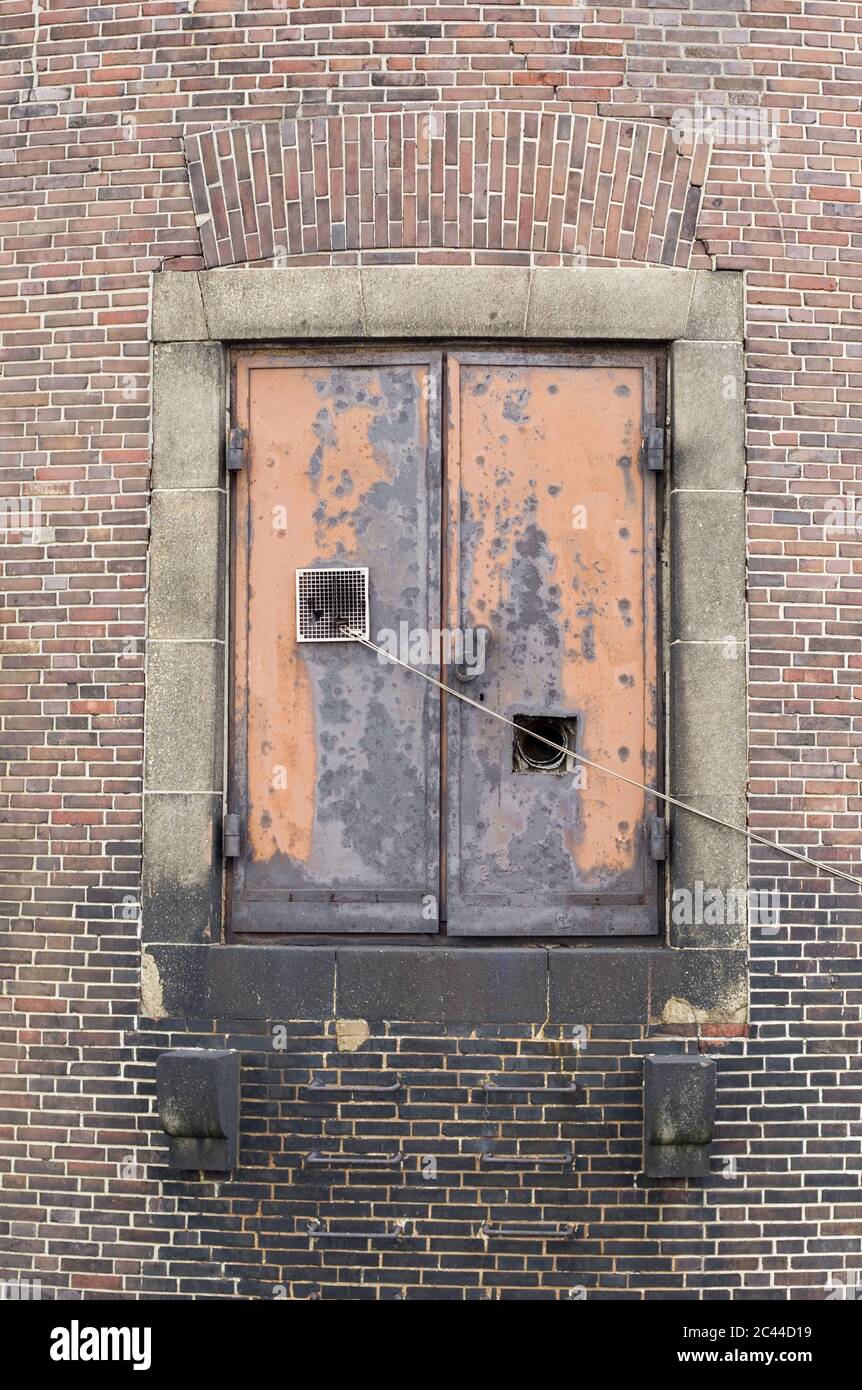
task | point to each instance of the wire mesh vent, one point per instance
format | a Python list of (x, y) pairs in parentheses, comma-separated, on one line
[(330, 600)]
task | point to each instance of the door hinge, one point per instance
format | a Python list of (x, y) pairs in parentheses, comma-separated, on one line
[(235, 451), (654, 449), (657, 837), (230, 837)]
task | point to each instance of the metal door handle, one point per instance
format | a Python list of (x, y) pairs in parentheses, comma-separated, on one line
[(466, 673)]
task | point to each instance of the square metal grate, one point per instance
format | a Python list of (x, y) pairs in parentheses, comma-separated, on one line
[(329, 600)]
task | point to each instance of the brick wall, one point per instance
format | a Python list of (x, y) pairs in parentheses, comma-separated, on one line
[(106, 110)]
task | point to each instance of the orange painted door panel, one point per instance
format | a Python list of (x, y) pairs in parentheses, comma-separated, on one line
[(542, 594), (335, 765), (551, 549)]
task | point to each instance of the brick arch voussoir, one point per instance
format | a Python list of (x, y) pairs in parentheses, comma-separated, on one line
[(478, 187)]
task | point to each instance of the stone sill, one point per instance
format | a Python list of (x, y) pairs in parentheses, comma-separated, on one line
[(490, 985)]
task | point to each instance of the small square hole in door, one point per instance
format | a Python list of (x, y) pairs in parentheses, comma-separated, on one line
[(531, 746)]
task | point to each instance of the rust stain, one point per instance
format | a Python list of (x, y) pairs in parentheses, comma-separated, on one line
[(549, 544), (313, 468), (538, 443)]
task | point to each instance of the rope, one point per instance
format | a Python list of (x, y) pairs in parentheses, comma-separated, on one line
[(750, 835)]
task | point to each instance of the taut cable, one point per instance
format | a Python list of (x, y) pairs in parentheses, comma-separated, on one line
[(750, 835)]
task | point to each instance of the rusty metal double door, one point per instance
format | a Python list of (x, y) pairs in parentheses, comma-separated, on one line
[(504, 508)]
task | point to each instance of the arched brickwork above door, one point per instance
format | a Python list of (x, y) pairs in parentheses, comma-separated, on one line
[(464, 186)]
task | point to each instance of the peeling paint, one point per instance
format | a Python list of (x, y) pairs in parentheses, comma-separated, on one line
[(152, 997), (677, 1010), (351, 1033), (551, 524), (342, 759)]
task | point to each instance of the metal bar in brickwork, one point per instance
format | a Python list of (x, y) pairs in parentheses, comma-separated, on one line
[(321, 1158), (393, 1230), (500, 1089), (520, 1163), (349, 1090), (529, 1230)]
